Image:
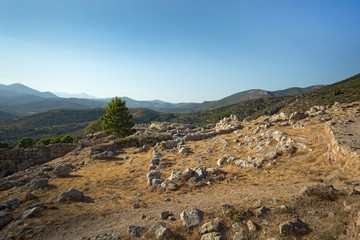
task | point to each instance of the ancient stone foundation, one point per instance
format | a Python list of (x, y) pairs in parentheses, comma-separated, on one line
[(13, 160)]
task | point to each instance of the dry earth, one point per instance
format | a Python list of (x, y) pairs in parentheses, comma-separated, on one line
[(113, 185)]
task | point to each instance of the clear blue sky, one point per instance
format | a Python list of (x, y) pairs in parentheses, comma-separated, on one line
[(177, 50)]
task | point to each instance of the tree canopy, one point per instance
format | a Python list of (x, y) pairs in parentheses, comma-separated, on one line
[(117, 118)]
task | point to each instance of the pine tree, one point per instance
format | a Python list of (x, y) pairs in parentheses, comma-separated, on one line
[(117, 119)]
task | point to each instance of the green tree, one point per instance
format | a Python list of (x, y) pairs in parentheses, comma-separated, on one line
[(117, 119), (26, 142), (93, 127)]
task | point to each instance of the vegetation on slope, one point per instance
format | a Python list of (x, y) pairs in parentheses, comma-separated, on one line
[(58, 122)]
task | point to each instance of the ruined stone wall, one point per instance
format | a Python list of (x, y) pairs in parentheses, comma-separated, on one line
[(13, 160), (340, 154)]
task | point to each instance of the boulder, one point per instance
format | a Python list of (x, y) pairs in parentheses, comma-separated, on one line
[(39, 183), (136, 231), (62, 170), (161, 231), (72, 195), (212, 226), (294, 227), (191, 218)]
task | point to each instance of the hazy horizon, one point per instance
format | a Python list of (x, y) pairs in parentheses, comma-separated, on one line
[(178, 51)]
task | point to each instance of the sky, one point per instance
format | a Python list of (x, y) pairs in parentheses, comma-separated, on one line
[(177, 50)]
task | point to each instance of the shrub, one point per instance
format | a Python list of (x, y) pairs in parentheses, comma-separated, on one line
[(66, 138), (26, 142), (4, 145)]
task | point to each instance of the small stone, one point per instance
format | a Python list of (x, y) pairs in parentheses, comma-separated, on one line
[(136, 204), (142, 216), (164, 215), (251, 226)]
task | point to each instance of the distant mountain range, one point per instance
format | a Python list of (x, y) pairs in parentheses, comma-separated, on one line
[(18, 100)]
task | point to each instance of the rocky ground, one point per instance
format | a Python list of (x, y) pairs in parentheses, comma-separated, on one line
[(286, 176)]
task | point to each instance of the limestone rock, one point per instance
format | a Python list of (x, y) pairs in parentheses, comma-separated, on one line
[(72, 195), (191, 218), (39, 183), (251, 226), (212, 226), (187, 174), (161, 231), (62, 170), (153, 174), (175, 176)]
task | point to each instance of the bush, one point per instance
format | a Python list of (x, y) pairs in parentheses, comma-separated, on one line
[(26, 142), (93, 127), (66, 138), (117, 119), (4, 145)]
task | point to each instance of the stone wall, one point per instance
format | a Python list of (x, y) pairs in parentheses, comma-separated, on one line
[(13, 160)]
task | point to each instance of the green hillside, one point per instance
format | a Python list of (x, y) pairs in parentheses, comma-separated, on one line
[(60, 121), (57, 122)]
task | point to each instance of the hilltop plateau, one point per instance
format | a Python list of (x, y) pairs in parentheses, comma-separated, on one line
[(279, 176)]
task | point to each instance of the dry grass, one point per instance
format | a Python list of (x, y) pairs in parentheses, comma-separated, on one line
[(116, 184)]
